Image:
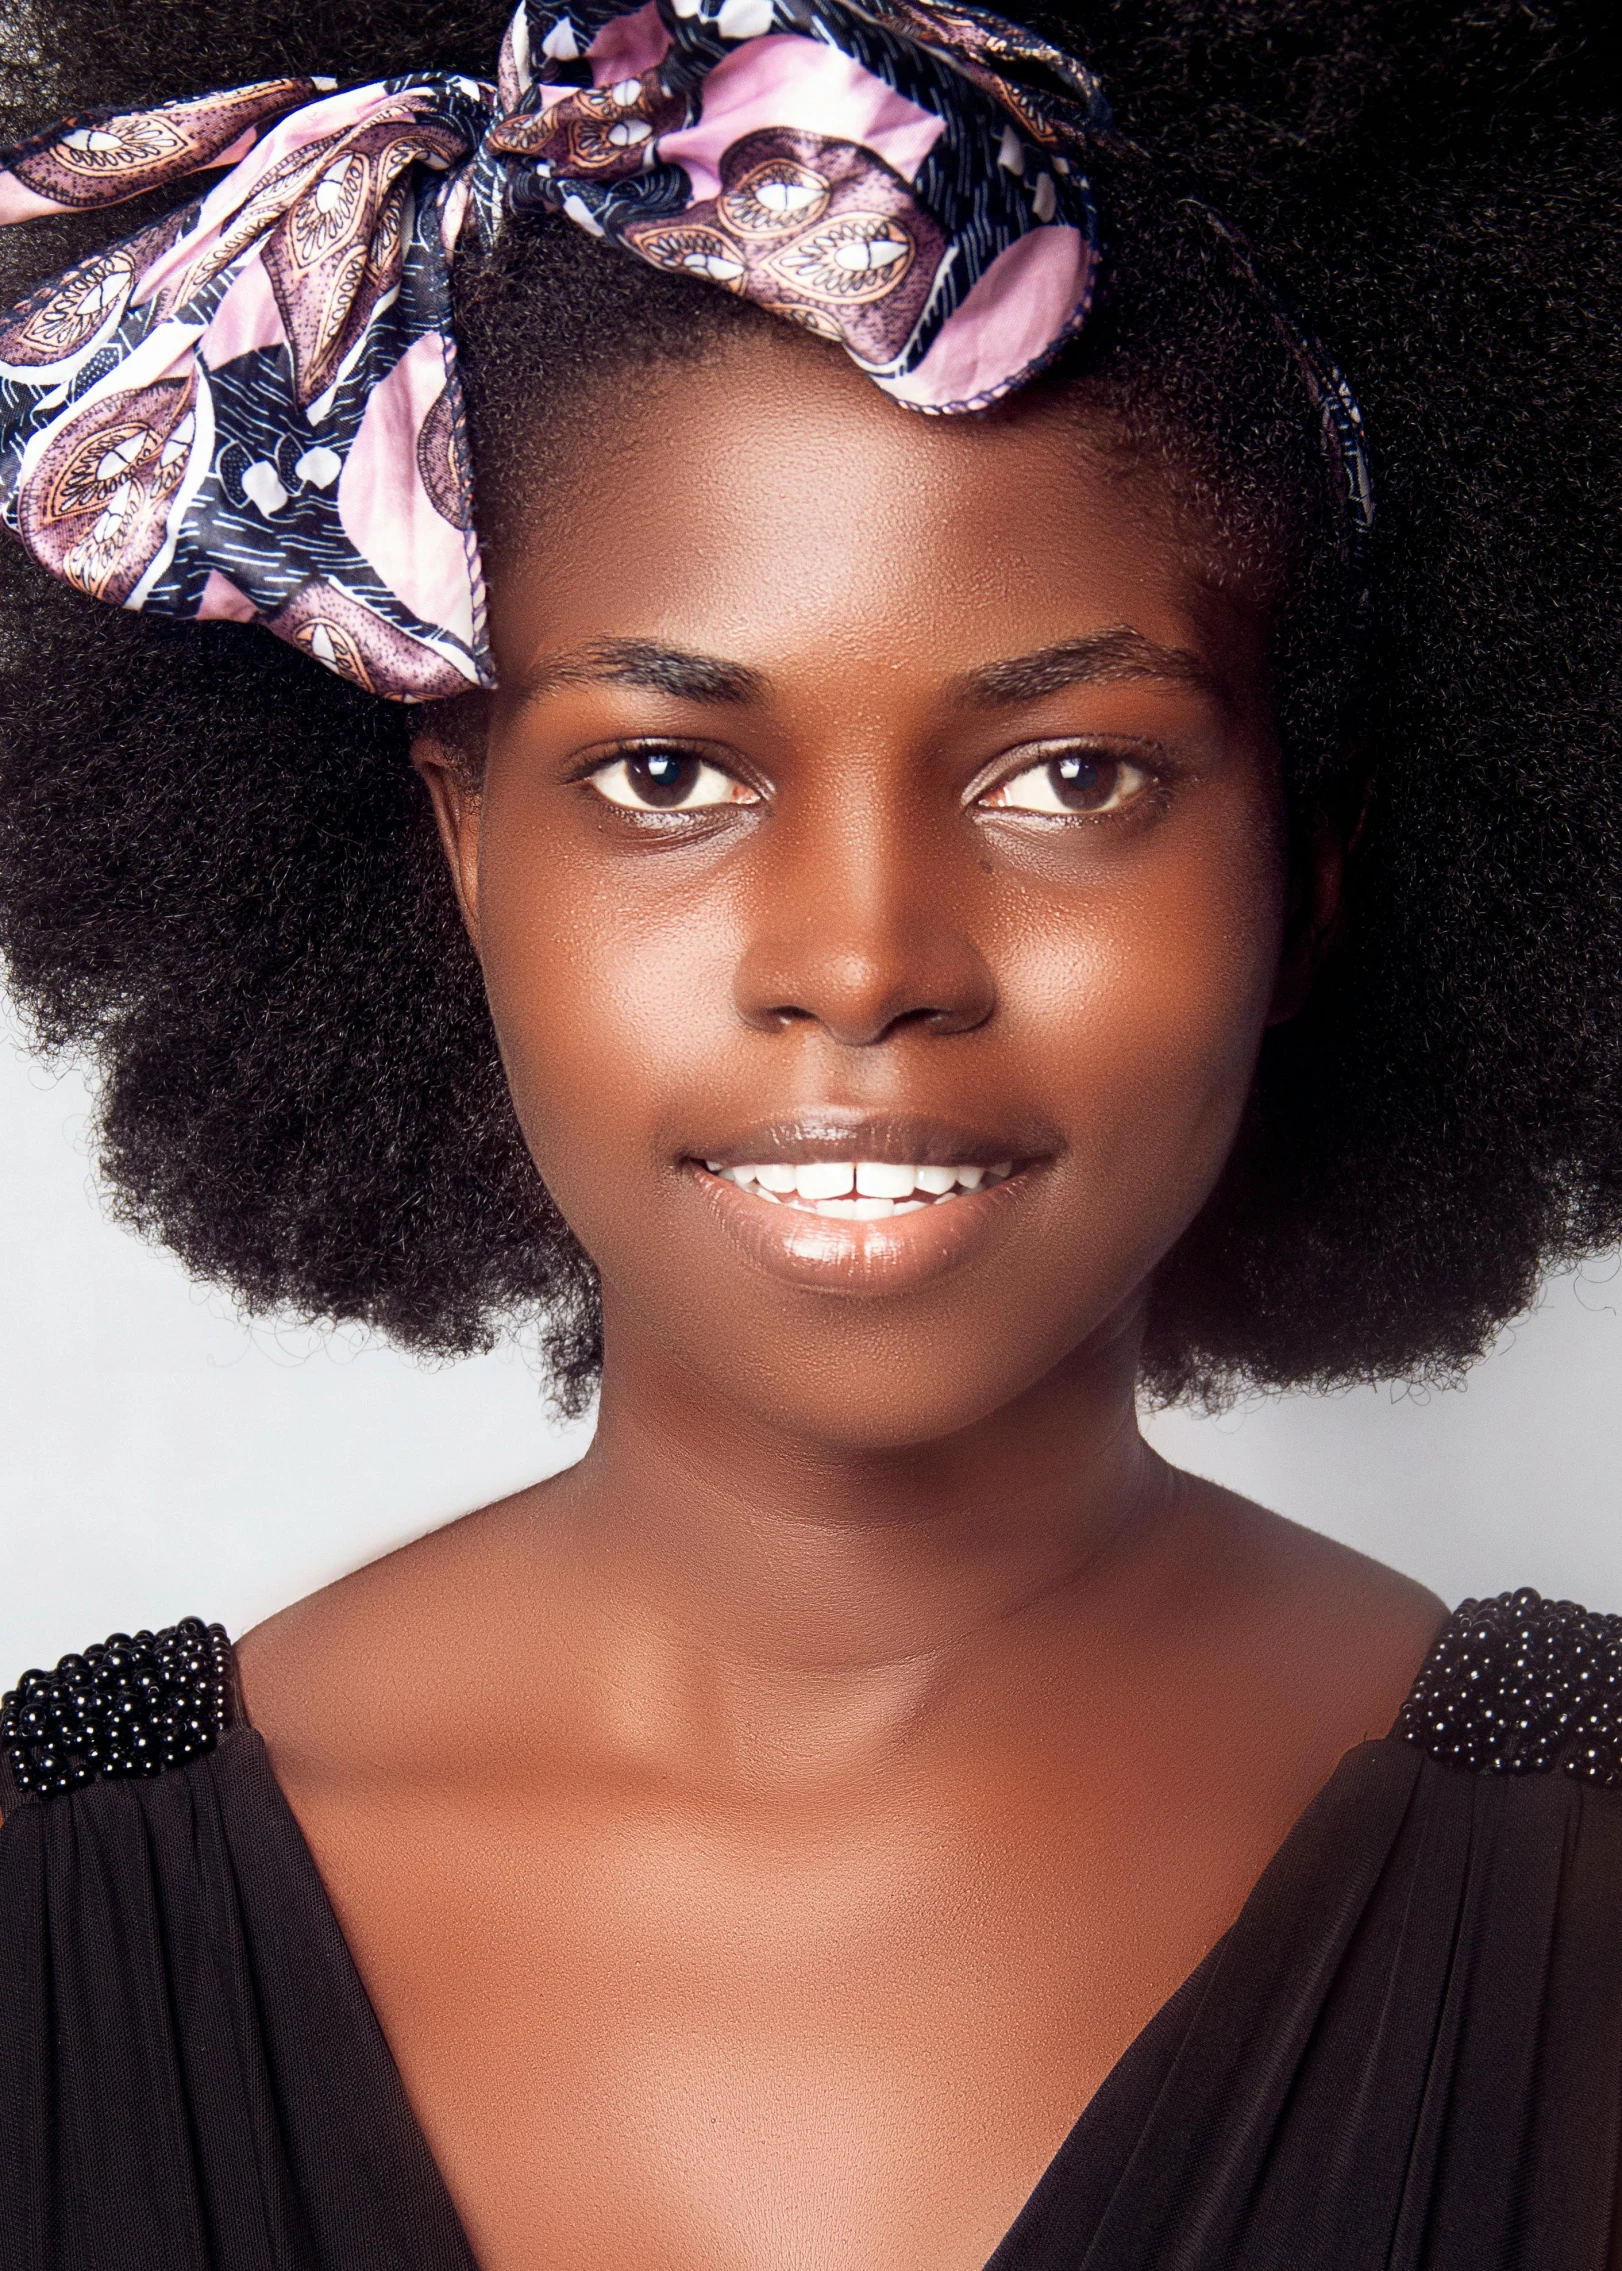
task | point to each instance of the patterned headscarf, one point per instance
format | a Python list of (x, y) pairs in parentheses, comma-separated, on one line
[(251, 411)]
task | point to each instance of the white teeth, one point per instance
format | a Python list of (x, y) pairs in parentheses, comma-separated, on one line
[(862, 1190), (878, 1179), (824, 1178)]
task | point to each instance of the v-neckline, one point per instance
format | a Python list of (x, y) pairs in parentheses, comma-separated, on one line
[(1011, 2252)]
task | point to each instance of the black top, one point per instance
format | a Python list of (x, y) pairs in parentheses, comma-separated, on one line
[(1405, 2055)]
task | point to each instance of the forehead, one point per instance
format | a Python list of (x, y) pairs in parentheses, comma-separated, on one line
[(770, 504)]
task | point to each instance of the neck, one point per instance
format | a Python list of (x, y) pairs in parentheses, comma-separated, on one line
[(780, 1575)]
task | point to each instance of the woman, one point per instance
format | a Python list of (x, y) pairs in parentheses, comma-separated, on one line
[(937, 922)]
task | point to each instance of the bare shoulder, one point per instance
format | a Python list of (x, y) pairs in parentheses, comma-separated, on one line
[(367, 1674), (1341, 1635)]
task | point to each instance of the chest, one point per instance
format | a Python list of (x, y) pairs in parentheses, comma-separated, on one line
[(837, 2035)]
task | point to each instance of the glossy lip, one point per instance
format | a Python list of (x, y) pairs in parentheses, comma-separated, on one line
[(901, 1138), (830, 1254)]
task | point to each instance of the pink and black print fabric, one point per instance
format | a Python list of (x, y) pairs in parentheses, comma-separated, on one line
[(903, 179), (250, 410)]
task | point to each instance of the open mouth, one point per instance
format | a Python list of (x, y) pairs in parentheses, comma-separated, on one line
[(860, 1190), (806, 1200)]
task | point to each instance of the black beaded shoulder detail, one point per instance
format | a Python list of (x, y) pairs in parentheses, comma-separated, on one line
[(136, 1704), (1521, 1685)]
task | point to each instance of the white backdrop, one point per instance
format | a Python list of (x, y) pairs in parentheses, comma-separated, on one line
[(158, 1457)]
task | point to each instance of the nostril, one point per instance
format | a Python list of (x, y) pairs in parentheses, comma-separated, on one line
[(864, 991), (927, 1018)]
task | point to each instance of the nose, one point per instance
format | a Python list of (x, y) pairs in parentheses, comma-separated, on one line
[(863, 930)]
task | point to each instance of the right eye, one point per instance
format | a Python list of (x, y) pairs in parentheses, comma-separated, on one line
[(667, 780)]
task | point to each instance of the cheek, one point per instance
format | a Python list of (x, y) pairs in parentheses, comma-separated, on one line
[(1145, 1005), (610, 989)]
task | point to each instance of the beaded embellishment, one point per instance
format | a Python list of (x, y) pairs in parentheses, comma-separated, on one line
[(134, 1705), (1521, 1685)]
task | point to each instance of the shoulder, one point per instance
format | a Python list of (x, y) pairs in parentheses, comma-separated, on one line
[(1326, 1640), (374, 1661), (389, 1669), (1522, 1685), (128, 1707)]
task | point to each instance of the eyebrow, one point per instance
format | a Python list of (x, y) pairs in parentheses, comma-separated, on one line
[(641, 662), (1115, 657), (1106, 658)]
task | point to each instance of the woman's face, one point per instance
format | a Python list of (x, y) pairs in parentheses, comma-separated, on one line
[(868, 791)]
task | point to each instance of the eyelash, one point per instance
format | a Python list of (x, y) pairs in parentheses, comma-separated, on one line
[(725, 790), (650, 753)]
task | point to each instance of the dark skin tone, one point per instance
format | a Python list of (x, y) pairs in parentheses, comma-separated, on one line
[(760, 1841)]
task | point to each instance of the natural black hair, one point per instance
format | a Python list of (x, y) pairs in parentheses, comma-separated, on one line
[(218, 875)]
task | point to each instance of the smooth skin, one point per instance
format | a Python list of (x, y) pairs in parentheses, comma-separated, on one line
[(760, 1841)]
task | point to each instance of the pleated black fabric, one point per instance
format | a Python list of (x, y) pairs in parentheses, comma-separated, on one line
[(191, 2075), (1406, 2054)]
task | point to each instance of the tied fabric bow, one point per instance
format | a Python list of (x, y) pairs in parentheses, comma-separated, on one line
[(250, 410)]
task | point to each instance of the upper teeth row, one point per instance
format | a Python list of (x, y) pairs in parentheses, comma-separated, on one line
[(867, 1178)]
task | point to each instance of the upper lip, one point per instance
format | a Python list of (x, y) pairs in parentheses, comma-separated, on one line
[(901, 1138)]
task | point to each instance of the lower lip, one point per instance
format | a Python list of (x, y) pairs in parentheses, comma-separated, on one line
[(833, 1254)]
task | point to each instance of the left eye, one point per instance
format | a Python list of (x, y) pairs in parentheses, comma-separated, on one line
[(667, 780), (1074, 781)]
